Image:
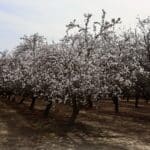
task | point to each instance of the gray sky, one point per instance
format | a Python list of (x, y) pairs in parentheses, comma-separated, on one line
[(49, 17)]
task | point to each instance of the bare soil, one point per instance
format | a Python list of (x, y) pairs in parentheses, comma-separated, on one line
[(96, 129)]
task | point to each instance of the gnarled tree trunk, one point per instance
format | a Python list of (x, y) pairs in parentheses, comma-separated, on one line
[(32, 103), (75, 110), (90, 103), (116, 103), (136, 101), (22, 100), (13, 98), (48, 107), (128, 97)]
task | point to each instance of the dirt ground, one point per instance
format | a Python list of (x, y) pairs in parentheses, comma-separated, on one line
[(97, 129)]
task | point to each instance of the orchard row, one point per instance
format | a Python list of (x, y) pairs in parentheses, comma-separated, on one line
[(93, 61)]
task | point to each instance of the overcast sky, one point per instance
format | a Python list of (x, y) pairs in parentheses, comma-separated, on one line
[(49, 17)]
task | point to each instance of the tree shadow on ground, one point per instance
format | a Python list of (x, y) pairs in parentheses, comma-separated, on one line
[(32, 126)]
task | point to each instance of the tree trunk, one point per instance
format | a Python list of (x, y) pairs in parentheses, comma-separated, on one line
[(13, 98), (138, 93), (128, 98), (90, 103), (47, 109), (136, 102), (9, 97), (22, 100), (116, 103), (146, 100), (32, 103), (75, 111)]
